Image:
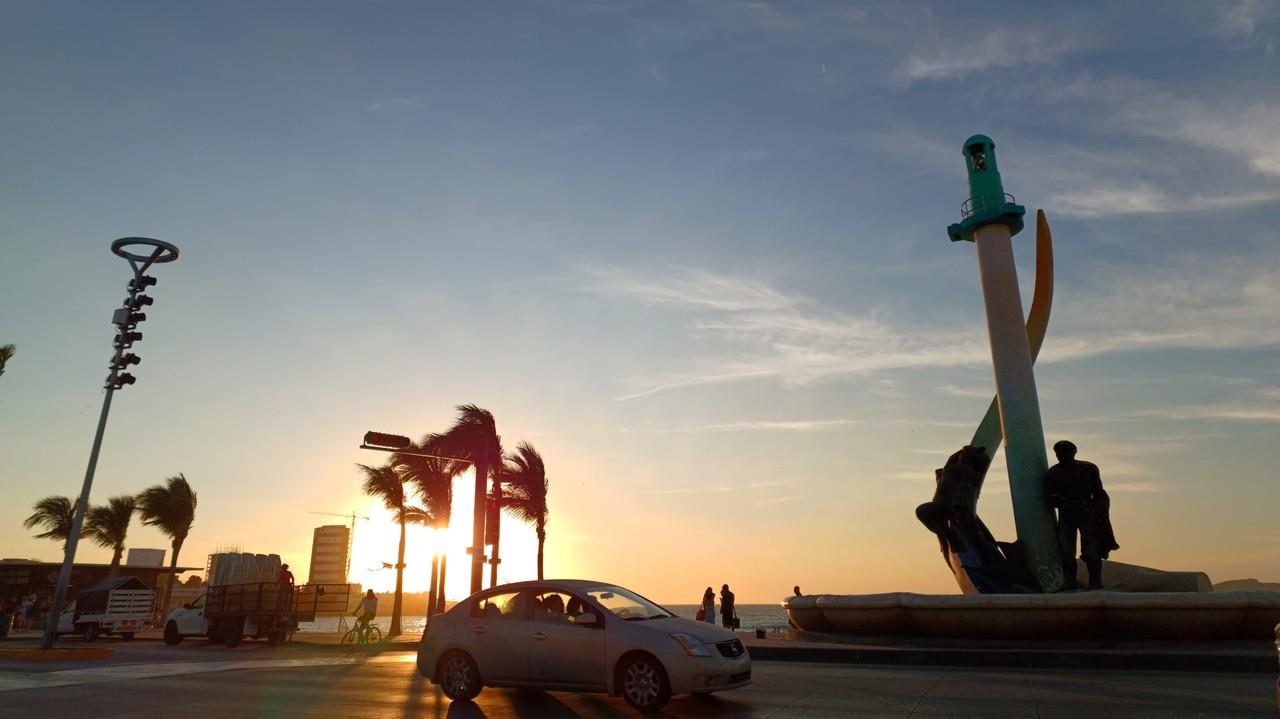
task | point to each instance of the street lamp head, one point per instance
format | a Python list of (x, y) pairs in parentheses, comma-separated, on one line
[(391, 441), (161, 251)]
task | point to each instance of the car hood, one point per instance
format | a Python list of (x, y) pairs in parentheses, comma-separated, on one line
[(702, 631)]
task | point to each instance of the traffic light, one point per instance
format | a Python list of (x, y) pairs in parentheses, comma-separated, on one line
[(390, 441), (142, 283), (137, 303), (122, 380), (126, 339), (124, 361)]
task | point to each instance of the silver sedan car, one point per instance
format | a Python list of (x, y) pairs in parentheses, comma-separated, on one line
[(578, 635)]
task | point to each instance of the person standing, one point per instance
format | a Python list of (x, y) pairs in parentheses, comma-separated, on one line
[(707, 609), (728, 612), (1074, 488)]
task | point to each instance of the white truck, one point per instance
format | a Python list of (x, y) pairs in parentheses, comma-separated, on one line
[(228, 613), (119, 605)]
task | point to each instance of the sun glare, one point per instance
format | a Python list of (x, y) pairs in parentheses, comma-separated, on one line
[(373, 551)]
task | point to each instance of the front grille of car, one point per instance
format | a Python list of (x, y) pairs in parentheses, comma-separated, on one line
[(731, 648), (743, 677)]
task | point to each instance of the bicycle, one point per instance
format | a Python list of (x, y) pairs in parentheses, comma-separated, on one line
[(362, 636)]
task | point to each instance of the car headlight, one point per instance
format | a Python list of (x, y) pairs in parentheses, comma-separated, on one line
[(691, 646)]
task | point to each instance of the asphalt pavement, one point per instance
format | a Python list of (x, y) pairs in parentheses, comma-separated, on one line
[(255, 680)]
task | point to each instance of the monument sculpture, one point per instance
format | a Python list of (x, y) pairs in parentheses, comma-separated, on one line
[(1013, 590)]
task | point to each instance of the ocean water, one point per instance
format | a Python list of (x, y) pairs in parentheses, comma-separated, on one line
[(751, 616)]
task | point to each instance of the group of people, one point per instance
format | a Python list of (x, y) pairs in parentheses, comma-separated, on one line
[(728, 611), (28, 611)]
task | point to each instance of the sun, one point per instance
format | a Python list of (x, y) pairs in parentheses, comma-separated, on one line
[(375, 543)]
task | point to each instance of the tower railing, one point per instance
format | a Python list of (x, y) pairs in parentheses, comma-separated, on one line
[(981, 203)]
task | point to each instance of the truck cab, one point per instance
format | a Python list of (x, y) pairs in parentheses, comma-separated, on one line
[(186, 621)]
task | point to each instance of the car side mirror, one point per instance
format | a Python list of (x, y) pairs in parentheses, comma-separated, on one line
[(187, 605), (586, 620)]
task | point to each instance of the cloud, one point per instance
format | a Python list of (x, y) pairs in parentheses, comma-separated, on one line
[(747, 329), (966, 392), (1142, 198), (809, 425), (775, 500), (1238, 412), (995, 49)]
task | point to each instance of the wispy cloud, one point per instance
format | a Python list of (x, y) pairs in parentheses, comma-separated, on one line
[(773, 501), (807, 425), (994, 49), (745, 328), (1135, 488)]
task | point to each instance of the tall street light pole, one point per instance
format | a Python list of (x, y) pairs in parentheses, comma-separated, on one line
[(126, 320)]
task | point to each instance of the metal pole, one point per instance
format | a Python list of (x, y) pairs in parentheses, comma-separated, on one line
[(68, 559)]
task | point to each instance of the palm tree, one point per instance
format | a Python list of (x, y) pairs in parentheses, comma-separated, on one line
[(387, 484), (171, 508), (6, 354), (474, 437), (433, 478), (55, 515), (526, 479), (108, 525)]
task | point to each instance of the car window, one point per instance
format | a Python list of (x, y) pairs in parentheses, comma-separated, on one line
[(552, 607), (497, 606), (198, 603), (626, 604)]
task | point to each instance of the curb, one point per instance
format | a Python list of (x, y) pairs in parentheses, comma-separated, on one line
[(35, 654), (1261, 663)]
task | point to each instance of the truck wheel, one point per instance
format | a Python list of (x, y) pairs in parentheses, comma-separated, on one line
[(232, 633), (127, 636), (171, 635), (91, 632)]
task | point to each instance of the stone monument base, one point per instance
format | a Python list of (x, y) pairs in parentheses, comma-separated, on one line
[(1104, 614)]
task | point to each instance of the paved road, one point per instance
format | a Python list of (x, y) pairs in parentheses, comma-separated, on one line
[(214, 683)]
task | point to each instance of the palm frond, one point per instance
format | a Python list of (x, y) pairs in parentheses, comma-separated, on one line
[(525, 477), (55, 515), (169, 507), (108, 525)]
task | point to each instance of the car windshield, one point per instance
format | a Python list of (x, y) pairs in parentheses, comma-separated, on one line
[(627, 605)]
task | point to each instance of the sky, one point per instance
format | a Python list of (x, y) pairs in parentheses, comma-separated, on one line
[(694, 252)]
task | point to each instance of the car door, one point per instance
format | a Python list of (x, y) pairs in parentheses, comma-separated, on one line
[(497, 630), (191, 621), (562, 653)]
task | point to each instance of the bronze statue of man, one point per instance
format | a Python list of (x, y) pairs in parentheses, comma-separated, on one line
[(1074, 488)]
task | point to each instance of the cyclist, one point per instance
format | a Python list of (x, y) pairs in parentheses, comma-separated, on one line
[(366, 611)]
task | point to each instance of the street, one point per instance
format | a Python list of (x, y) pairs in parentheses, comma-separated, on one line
[(146, 679)]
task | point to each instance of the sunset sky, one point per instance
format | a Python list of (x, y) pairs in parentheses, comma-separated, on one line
[(695, 253)]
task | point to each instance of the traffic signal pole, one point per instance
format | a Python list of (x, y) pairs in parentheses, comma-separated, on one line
[(126, 319), (82, 504)]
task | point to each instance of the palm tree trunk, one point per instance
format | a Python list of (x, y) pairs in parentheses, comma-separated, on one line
[(173, 576), (496, 516), (431, 593), (444, 564), (477, 528), (542, 539), (115, 561), (395, 605)]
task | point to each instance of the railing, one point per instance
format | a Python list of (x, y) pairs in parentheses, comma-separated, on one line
[(981, 203)]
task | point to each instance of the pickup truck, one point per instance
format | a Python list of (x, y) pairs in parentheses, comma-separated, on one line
[(119, 605), (226, 614)]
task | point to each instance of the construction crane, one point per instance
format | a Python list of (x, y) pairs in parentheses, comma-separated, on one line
[(351, 535)]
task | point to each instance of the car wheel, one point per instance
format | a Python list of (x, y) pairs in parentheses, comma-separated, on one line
[(459, 676), (127, 636), (171, 635), (644, 684)]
